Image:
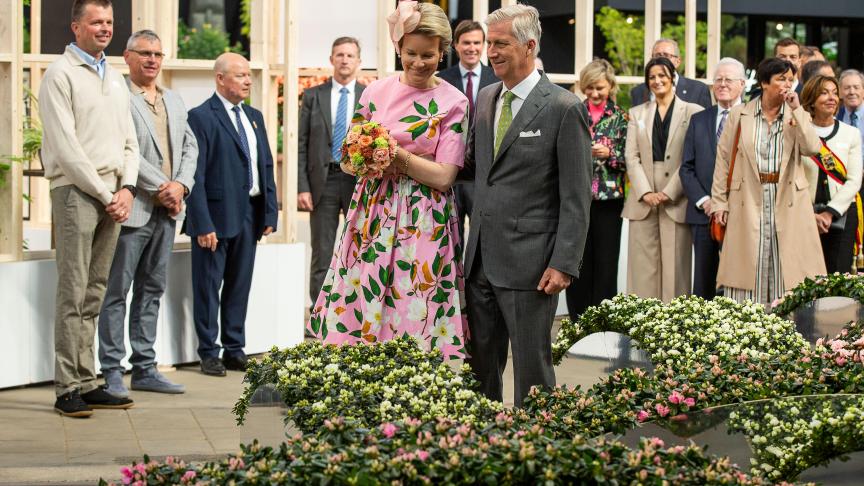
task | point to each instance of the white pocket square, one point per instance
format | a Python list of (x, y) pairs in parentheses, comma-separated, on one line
[(535, 133)]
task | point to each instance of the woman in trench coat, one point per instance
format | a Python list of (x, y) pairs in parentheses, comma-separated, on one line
[(771, 241)]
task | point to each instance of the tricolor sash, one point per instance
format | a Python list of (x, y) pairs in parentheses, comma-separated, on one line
[(834, 168)]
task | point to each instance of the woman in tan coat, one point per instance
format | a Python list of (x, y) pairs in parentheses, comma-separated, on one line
[(658, 255), (771, 240)]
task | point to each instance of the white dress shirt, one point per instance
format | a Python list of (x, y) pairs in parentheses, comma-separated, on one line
[(719, 117), (463, 71), (250, 137), (334, 101), (521, 90)]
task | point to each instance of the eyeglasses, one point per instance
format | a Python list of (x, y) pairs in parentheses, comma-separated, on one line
[(726, 81), (667, 55), (154, 54)]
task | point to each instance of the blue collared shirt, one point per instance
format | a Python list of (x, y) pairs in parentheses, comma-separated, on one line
[(860, 113), (97, 64)]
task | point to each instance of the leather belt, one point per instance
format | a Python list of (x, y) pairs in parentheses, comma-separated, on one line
[(769, 177)]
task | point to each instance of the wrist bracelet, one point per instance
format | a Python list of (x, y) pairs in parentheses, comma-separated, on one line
[(405, 163)]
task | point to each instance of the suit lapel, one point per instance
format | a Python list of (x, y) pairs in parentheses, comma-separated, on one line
[(174, 133), (746, 146), (788, 137), (222, 115), (678, 113), (709, 126), (487, 117), (537, 99), (323, 94), (646, 142), (145, 114)]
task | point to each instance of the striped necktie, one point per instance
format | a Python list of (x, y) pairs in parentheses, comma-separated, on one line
[(340, 125), (722, 124), (505, 119), (244, 143)]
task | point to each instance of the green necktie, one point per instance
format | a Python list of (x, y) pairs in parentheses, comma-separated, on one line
[(504, 120)]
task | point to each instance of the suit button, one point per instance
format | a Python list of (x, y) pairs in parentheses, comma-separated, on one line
[(667, 174), (668, 157)]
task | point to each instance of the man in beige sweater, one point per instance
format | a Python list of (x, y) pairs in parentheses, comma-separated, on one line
[(90, 155)]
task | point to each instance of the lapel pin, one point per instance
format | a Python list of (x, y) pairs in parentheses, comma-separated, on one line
[(254, 125)]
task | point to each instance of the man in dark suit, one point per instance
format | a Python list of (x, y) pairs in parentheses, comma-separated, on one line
[(697, 171), (687, 89), (469, 76), (322, 187), (232, 205), (530, 153)]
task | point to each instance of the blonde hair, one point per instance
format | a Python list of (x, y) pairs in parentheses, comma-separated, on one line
[(596, 70), (433, 23)]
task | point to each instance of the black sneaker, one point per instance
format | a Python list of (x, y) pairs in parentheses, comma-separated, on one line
[(99, 398), (71, 405)]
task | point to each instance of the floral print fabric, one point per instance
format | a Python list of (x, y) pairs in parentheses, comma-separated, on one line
[(396, 270), (610, 130)]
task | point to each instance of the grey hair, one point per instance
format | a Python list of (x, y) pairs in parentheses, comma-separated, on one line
[(666, 40), (734, 63), (851, 72), (526, 23), (142, 34)]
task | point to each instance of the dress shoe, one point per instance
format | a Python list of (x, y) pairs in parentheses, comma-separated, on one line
[(71, 405), (236, 363), (212, 367), (99, 398), (153, 381), (114, 383)]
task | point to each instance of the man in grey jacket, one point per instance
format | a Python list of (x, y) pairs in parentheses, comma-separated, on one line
[(169, 155), (531, 155)]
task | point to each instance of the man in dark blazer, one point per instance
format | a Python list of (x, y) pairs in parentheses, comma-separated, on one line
[(687, 89), (697, 171), (469, 38), (787, 49), (530, 154), (322, 187), (232, 205)]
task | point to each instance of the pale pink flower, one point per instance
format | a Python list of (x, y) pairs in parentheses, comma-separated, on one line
[(840, 360), (188, 476), (389, 430), (662, 410), (381, 155), (689, 401), (422, 455), (676, 397), (643, 415), (352, 137), (657, 442)]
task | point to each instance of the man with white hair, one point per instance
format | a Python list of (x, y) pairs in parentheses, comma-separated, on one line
[(697, 171), (687, 89), (852, 96), (530, 152)]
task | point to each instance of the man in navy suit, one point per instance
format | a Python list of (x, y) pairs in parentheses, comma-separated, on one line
[(469, 77), (232, 205), (687, 89), (697, 171)]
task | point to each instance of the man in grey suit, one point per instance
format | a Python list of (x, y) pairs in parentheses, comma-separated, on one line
[(530, 151), (322, 187), (169, 155)]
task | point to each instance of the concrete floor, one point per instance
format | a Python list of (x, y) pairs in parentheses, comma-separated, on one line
[(37, 446)]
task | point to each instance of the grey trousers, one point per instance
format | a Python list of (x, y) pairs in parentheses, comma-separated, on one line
[(324, 225), (523, 318), (85, 238), (140, 262)]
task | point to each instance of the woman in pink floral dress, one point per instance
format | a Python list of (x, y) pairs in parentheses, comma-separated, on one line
[(396, 270)]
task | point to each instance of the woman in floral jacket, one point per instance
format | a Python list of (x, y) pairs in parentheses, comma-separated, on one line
[(598, 277)]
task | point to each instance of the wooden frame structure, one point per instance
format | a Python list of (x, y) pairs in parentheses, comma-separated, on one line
[(274, 28)]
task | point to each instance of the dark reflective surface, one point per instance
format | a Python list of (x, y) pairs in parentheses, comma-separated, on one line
[(826, 317), (721, 431), (617, 350)]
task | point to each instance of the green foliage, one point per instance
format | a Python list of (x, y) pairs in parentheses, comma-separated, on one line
[(834, 285), (624, 41), (31, 144), (676, 31), (246, 17), (204, 43)]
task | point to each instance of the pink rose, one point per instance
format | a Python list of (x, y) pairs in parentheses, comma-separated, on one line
[(381, 155), (352, 137), (643, 415), (389, 430)]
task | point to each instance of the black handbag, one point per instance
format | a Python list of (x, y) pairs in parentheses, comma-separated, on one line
[(838, 224)]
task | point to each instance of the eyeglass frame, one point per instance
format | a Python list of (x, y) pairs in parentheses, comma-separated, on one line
[(726, 81), (666, 55), (148, 54)]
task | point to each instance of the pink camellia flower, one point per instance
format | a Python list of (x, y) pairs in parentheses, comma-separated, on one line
[(127, 475), (422, 455), (188, 476), (805, 359), (643, 415), (840, 360), (676, 397), (662, 410), (389, 430), (657, 442), (689, 401), (838, 344), (776, 302)]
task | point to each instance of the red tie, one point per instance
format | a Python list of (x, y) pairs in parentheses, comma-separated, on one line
[(469, 92)]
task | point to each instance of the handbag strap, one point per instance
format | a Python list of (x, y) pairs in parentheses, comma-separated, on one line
[(734, 155)]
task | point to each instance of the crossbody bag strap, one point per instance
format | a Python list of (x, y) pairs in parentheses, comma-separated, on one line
[(734, 156)]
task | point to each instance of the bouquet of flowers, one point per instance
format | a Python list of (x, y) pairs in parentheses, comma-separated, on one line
[(368, 150)]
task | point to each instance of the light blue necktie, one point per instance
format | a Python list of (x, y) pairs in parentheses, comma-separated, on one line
[(853, 119), (340, 125), (244, 143)]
